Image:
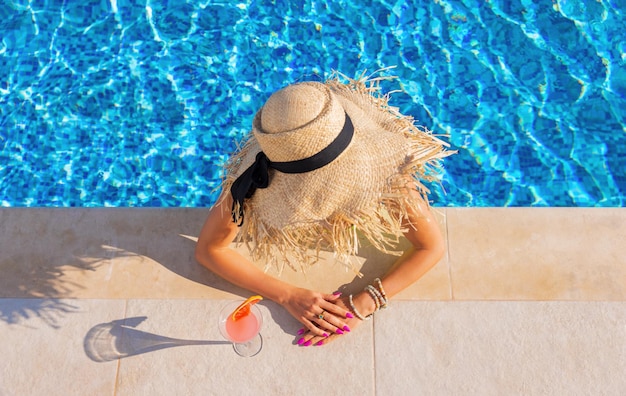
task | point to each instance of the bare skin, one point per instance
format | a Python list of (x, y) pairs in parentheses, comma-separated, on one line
[(213, 251)]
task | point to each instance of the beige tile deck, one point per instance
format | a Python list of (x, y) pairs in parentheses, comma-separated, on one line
[(501, 348), (537, 254), (41, 344), (145, 253), (279, 369), (528, 301)]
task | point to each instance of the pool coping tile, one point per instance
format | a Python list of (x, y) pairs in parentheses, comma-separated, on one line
[(493, 254), (539, 254)]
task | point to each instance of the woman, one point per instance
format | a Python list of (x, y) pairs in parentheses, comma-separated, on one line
[(325, 163)]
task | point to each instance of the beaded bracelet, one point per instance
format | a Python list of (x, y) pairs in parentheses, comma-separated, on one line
[(380, 288), (381, 302), (383, 295), (373, 295), (357, 313)]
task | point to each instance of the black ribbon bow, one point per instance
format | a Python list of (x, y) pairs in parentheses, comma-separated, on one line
[(256, 176)]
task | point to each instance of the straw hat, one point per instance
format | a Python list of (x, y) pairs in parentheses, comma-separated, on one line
[(324, 163)]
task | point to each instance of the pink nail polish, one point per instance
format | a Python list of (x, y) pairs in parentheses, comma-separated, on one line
[(337, 293), (321, 342), (349, 315), (325, 335), (339, 331), (301, 331), (307, 343), (300, 341), (346, 328)]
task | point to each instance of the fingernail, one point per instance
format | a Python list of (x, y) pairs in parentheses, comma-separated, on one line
[(339, 331), (321, 342), (307, 343), (349, 315), (325, 335), (337, 293), (301, 331), (300, 341), (346, 328)]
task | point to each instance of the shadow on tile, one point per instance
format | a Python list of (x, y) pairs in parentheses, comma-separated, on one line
[(125, 253), (287, 323), (50, 311), (56, 253), (119, 339)]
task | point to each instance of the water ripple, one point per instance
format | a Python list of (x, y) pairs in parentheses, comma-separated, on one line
[(138, 104)]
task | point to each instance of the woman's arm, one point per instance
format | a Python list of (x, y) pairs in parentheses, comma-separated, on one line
[(213, 251), (427, 249)]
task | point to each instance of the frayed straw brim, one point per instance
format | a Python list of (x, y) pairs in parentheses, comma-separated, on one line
[(362, 192)]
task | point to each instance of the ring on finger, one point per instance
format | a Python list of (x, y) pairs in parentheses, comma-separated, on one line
[(321, 316)]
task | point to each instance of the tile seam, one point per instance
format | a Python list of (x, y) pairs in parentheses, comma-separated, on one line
[(374, 355), (119, 359), (449, 260)]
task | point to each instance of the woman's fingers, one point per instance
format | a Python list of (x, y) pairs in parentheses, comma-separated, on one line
[(338, 325), (328, 322), (318, 336), (306, 337), (329, 317), (315, 329), (333, 307), (322, 314)]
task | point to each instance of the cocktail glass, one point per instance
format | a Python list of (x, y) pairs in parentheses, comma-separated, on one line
[(244, 332)]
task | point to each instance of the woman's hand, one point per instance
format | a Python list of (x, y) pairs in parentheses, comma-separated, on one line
[(213, 251), (322, 314), (350, 322)]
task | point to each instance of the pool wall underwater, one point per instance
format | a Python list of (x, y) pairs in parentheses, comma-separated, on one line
[(123, 103)]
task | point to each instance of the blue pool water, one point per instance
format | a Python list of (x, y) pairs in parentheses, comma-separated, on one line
[(138, 103)]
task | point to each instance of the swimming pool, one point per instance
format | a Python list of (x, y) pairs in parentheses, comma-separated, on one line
[(115, 103)]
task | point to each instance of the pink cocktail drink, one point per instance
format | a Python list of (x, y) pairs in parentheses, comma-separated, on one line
[(242, 329), (244, 332)]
